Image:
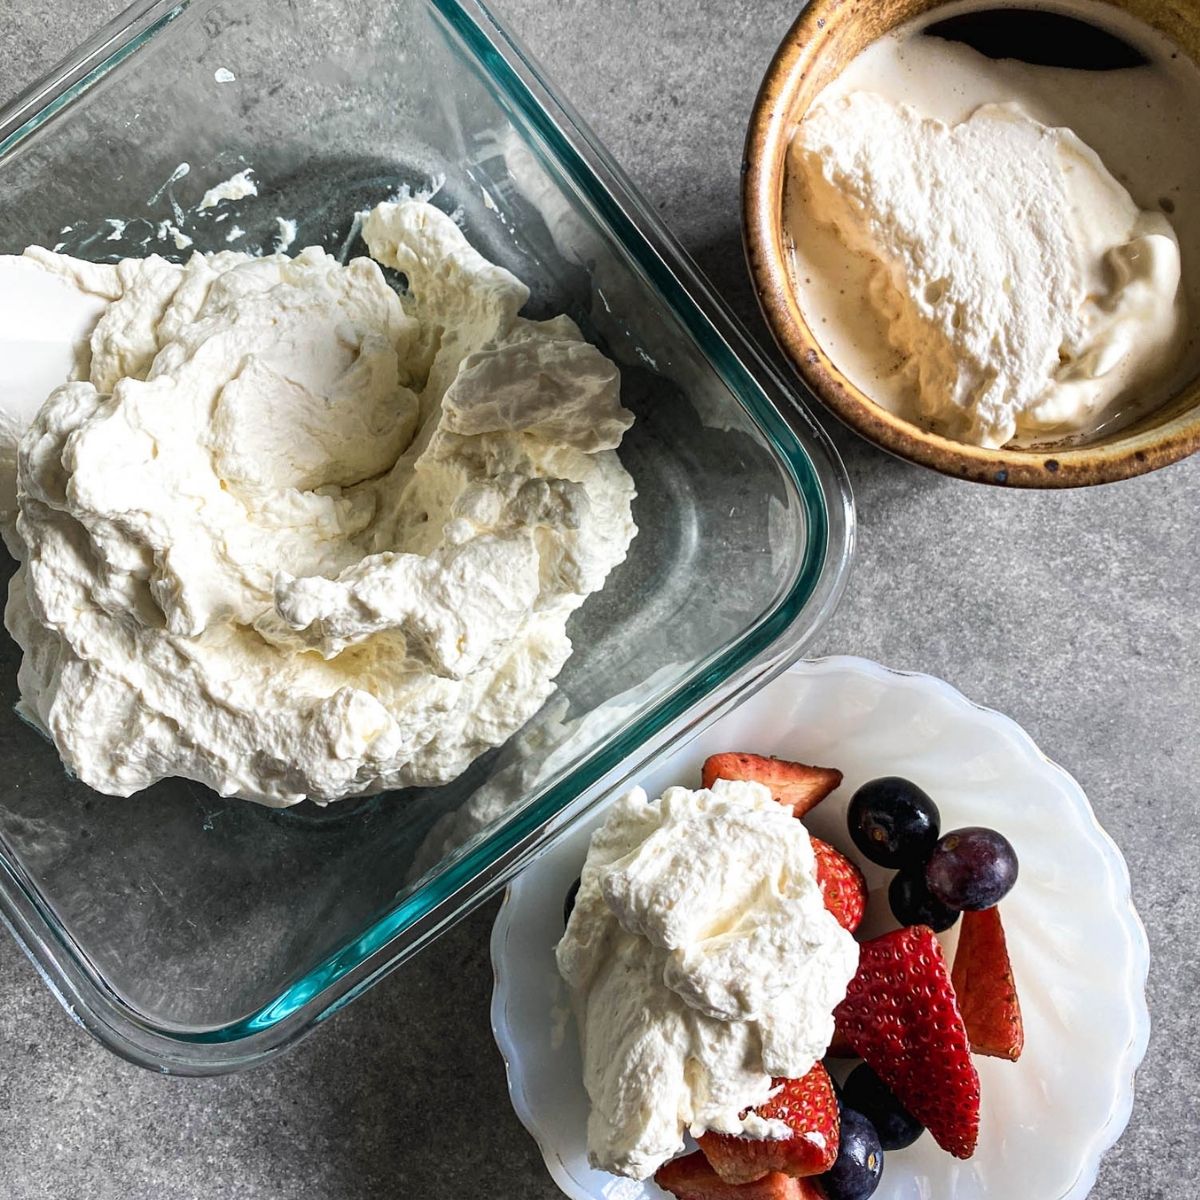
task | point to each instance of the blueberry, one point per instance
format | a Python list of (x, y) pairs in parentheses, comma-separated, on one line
[(971, 868), (569, 900), (912, 903), (893, 822), (855, 1174), (869, 1095)]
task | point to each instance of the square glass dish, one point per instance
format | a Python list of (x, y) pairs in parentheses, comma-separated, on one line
[(198, 935)]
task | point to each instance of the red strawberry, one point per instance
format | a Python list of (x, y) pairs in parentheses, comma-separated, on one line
[(692, 1178), (987, 993), (793, 783), (809, 1108), (842, 884), (901, 1015)]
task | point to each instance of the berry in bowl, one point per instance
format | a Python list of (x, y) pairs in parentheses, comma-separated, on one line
[(997, 1040)]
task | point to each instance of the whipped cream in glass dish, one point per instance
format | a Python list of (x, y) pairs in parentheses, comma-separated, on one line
[(289, 533), (702, 963), (1004, 253)]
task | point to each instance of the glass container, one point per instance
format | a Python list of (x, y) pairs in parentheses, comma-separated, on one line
[(195, 934)]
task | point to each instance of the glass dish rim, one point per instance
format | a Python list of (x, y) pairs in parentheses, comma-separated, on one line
[(760, 651)]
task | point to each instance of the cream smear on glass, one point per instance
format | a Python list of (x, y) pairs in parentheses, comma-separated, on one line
[(1139, 120)]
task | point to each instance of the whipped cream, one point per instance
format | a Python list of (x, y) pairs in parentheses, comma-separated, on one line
[(292, 535), (1023, 289), (46, 319), (701, 962)]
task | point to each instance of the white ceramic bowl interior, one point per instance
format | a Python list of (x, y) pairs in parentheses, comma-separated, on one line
[(1079, 951)]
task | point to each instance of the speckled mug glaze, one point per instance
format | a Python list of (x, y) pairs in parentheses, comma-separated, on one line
[(827, 35)]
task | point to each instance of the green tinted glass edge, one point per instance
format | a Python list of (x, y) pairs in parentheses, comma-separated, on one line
[(64, 96)]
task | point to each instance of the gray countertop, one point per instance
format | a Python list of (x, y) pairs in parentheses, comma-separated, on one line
[(1075, 613)]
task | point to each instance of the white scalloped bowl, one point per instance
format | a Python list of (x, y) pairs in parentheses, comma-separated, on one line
[(1079, 951)]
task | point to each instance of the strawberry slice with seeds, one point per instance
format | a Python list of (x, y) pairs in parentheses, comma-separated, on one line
[(809, 1109), (692, 1178), (987, 992), (842, 885), (797, 784), (901, 1015)]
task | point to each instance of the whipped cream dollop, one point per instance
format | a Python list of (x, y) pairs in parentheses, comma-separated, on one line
[(1025, 292), (702, 962), (291, 534)]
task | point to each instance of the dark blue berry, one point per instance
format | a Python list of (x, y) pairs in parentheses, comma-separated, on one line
[(971, 868), (569, 901), (855, 1174), (868, 1094), (912, 903), (893, 822)]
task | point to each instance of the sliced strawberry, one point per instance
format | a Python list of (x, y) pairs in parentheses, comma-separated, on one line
[(987, 993), (692, 1178), (793, 783), (842, 884), (809, 1108), (901, 1015)]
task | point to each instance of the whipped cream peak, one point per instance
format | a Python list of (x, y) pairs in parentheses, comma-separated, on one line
[(702, 962), (1024, 291), (291, 534)]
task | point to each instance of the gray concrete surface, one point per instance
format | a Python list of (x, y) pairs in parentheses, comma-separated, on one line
[(1075, 613)]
